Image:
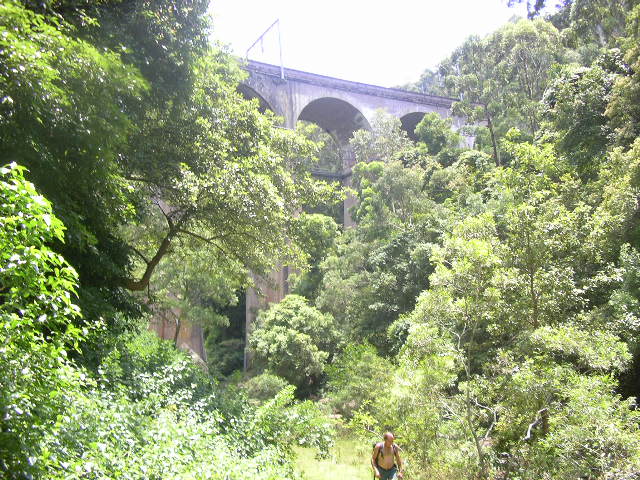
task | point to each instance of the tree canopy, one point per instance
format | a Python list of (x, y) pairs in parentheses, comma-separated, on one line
[(485, 306)]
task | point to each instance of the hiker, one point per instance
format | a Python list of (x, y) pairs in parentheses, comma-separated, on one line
[(386, 461)]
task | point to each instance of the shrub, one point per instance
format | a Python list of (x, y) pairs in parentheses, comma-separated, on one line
[(36, 313), (294, 340), (264, 386), (356, 377), (150, 412), (283, 423), (224, 356)]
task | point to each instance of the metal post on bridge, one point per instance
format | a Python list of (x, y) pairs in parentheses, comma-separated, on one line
[(260, 40)]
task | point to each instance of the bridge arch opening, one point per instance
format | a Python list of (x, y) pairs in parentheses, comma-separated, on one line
[(340, 120), (249, 94), (409, 123), (335, 116), (329, 156)]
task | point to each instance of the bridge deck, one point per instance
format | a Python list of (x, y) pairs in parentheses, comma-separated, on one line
[(291, 74)]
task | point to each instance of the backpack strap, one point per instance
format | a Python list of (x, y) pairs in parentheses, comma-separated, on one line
[(379, 447)]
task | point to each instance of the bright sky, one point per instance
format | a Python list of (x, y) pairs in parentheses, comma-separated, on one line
[(382, 43)]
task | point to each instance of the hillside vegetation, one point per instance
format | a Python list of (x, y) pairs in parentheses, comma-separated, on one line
[(485, 308)]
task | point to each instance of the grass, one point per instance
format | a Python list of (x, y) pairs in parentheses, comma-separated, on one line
[(348, 459)]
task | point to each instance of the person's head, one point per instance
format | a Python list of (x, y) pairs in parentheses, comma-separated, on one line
[(388, 438)]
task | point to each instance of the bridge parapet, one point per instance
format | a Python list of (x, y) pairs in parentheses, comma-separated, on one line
[(273, 71)]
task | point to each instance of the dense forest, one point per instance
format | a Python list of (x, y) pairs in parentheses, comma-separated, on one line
[(485, 307)]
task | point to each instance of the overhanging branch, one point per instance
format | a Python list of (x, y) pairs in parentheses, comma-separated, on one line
[(541, 417), (143, 282)]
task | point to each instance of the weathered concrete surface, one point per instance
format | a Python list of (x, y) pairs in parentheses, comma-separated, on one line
[(290, 97), (267, 290), (338, 106), (190, 336)]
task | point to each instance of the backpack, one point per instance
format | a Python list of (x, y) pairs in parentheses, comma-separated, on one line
[(379, 446)]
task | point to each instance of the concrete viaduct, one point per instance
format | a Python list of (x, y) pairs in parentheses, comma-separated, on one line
[(338, 106)]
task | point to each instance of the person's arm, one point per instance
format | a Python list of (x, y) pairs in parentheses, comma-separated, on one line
[(399, 461), (373, 461)]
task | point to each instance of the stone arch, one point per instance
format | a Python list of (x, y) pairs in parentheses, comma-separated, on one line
[(340, 119), (336, 116), (410, 121), (249, 93)]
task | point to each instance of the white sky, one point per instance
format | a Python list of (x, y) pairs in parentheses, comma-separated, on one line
[(386, 43)]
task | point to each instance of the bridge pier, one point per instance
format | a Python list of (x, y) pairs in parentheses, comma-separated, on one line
[(267, 290), (340, 107)]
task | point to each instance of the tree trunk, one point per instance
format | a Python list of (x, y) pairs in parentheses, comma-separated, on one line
[(469, 414), (139, 285), (545, 422), (531, 274), (494, 142), (178, 325), (476, 439)]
